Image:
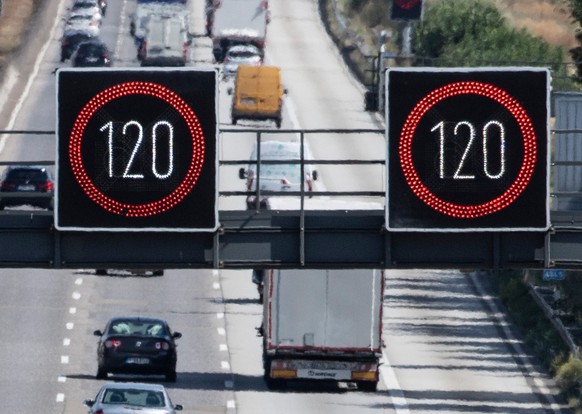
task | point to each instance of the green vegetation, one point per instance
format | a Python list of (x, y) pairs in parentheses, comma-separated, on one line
[(576, 53), (540, 335), (475, 33)]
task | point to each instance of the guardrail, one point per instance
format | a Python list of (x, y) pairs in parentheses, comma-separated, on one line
[(554, 319), (303, 161), (301, 136)]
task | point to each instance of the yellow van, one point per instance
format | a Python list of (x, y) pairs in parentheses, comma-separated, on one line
[(258, 94)]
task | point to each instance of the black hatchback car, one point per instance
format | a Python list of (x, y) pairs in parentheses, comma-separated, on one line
[(70, 40), (29, 185), (91, 53), (137, 345)]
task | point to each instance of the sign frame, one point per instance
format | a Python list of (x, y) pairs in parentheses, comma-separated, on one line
[(435, 94), (165, 209)]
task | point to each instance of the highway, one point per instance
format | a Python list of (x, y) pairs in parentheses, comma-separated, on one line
[(449, 346)]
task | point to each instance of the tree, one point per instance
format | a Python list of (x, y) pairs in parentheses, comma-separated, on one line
[(475, 33), (576, 53)]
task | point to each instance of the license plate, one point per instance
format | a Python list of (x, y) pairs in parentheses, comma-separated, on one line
[(25, 187), (92, 59), (137, 361)]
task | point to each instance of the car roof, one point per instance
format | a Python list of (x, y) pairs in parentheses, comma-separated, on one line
[(31, 168), (137, 385), (24, 167)]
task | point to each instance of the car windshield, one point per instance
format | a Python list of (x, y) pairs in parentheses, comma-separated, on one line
[(137, 327), (242, 54), (84, 5), (26, 174), (91, 48), (134, 397)]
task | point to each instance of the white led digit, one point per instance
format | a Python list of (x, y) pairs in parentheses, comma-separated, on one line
[(170, 149), (138, 142), (109, 126), (441, 127), (501, 150), (457, 174)]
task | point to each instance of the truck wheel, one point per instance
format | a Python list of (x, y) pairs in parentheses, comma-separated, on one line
[(101, 374), (171, 376), (278, 122), (234, 120), (275, 384), (368, 386)]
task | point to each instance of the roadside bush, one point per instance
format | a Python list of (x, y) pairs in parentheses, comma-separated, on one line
[(539, 334), (475, 33), (569, 377)]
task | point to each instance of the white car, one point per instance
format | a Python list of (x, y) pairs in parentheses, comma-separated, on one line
[(132, 397), (87, 8), (276, 175), (247, 55), (83, 23)]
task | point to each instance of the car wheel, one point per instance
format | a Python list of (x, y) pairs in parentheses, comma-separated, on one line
[(158, 273), (101, 272), (171, 376), (101, 374)]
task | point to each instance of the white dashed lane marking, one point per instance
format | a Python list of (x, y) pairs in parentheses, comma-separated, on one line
[(65, 359)]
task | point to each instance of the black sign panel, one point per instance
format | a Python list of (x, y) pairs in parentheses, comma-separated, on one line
[(136, 150), (406, 10), (467, 149)]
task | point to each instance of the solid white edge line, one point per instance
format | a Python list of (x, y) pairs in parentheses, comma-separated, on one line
[(10, 80), (36, 69), (520, 353), (399, 402)]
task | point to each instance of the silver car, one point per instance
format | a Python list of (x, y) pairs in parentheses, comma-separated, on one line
[(247, 55), (131, 397)]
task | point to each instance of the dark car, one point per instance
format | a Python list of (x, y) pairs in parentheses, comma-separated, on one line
[(70, 40), (34, 186), (137, 345), (91, 53)]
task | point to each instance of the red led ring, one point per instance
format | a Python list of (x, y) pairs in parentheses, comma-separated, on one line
[(464, 88), (132, 88)]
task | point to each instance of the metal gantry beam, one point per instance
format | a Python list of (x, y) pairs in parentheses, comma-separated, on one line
[(285, 238)]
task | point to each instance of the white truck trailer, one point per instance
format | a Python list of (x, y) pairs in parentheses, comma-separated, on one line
[(322, 325), (236, 22)]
